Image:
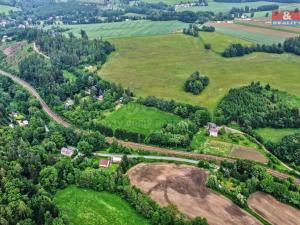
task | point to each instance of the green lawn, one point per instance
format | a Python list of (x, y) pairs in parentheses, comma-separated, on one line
[(69, 75), (87, 207), (275, 135), (159, 65), (127, 28), (138, 118), (5, 9)]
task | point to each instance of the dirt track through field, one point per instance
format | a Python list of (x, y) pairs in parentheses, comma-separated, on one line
[(132, 145), (272, 210), (184, 186)]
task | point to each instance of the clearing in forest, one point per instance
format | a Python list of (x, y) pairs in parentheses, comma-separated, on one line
[(84, 206), (138, 118), (184, 186)]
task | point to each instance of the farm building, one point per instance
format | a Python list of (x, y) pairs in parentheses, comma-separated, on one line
[(116, 159), (104, 163), (213, 129), (67, 151)]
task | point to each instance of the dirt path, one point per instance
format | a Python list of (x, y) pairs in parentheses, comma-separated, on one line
[(133, 145), (35, 48), (272, 210)]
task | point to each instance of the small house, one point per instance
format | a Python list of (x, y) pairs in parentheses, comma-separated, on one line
[(213, 129), (67, 151), (104, 163)]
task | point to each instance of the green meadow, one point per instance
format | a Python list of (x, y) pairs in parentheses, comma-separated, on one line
[(251, 36), (159, 65), (5, 9), (127, 28), (84, 206), (138, 118), (275, 135)]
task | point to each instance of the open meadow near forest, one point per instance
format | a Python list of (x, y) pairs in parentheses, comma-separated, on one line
[(272, 210), (260, 35), (138, 118), (159, 66), (275, 135), (84, 206), (127, 28), (5, 9), (184, 186)]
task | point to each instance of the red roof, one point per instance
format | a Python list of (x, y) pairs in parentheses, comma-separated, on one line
[(104, 163)]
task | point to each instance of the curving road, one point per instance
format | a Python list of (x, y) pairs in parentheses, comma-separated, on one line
[(132, 145)]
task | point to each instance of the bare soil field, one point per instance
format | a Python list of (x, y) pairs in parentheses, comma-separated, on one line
[(259, 30), (184, 186), (13, 48), (249, 153), (272, 210)]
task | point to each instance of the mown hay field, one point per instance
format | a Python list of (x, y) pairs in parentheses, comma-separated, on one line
[(127, 28), (159, 66)]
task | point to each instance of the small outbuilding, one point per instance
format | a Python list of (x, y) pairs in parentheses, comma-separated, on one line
[(67, 151), (104, 163)]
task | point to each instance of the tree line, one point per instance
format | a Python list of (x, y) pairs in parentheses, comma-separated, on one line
[(290, 45)]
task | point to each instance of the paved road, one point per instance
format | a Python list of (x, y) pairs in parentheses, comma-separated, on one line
[(167, 158), (173, 153)]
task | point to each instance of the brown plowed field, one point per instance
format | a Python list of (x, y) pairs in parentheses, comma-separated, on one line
[(184, 186), (272, 210)]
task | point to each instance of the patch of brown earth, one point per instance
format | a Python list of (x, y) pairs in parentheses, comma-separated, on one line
[(184, 186), (272, 210)]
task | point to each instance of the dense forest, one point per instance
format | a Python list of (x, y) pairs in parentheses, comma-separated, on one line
[(256, 106), (66, 52), (288, 149)]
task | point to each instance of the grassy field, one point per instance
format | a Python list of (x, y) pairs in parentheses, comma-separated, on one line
[(83, 206), (138, 118), (226, 7), (127, 28), (159, 65), (5, 9), (251, 36), (275, 135)]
